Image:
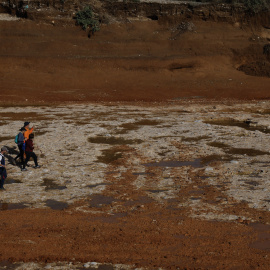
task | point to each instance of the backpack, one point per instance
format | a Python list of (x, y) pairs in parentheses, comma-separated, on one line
[(16, 139)]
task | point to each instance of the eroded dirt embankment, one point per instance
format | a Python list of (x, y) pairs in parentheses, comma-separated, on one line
[(137, 61), (136, 58)]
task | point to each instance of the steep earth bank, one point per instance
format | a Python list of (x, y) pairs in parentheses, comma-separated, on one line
[(143, 52)]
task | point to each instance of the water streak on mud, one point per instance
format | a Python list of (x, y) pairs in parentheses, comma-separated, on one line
[(55, 205), (11, 206), (263, 240), (234, 123)]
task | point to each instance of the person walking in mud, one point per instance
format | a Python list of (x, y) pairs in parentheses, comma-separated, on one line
[(29, 147), (21, 145), (28, 130), (3, 170)]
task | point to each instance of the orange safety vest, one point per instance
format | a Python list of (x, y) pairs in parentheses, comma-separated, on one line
[(27, 133)]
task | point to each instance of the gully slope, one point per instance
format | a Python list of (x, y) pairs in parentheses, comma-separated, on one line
[(140, 60)]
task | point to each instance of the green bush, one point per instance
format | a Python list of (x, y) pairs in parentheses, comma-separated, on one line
[(86, 19), (257, 5)]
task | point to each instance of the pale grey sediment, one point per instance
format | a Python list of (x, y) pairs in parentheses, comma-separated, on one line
[(174, 133)]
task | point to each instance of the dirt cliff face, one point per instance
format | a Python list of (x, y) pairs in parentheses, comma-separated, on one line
[(144, 51), (156, 10)]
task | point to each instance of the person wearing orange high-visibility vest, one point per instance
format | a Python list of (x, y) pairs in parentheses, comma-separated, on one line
[(28, 130)]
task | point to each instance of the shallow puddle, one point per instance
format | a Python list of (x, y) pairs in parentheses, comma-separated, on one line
[(112, 140), (56, 205), (218, 145), (12, 206), (263, 240), (51, 185), (237, 151), (109, 156), (234, 123), (214, 158), (98, 200), (9, 181), (136, 125), (246, 151)]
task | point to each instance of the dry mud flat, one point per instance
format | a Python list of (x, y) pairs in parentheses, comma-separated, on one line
[(176, 186)]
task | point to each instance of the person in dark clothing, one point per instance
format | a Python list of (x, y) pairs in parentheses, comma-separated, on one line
[(21, 145), (29, 147), (3, 170)]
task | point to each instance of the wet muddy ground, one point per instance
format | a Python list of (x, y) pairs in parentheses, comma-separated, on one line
[(179, 185)]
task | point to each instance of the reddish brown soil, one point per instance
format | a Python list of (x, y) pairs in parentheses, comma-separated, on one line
[(146, 61), (136, 61), (153, 237), (142, 232)]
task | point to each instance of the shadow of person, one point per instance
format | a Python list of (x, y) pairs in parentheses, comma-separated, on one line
[(12, 151)]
